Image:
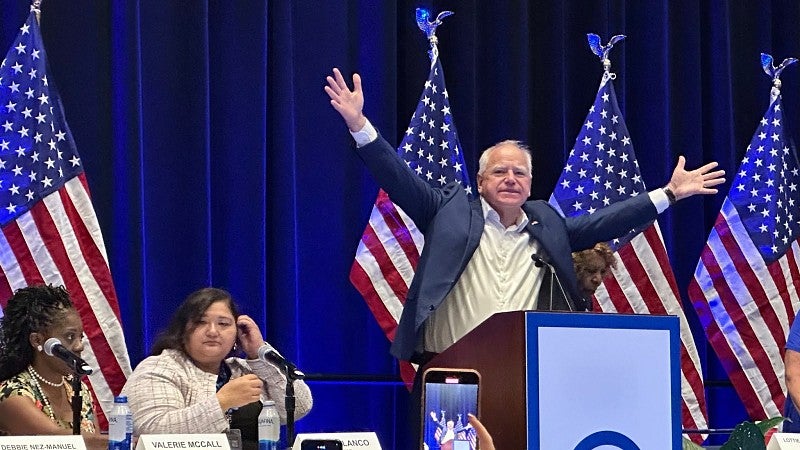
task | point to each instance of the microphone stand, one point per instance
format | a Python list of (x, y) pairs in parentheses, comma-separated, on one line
[(292, 374), (77, 401), (539, 262)]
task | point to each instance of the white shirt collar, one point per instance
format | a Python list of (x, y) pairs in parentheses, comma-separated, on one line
[(489, 214)]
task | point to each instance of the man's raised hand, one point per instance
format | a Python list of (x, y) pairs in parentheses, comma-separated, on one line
[(349, 104)]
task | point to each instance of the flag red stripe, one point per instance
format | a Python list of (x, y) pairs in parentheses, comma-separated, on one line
[(745, 270), (384, 262), (407, 373), (690, 371), (728, 360), (392, 219), (7, 270), (743, 327), (655, 302), (25, 260), (695, 382), (91, 254), (5, 291), (52, 240), (660, 252), (95, 262), (364, 286), (616, 295), (642, 280), (779, 278), (756, 290), (794, 275)]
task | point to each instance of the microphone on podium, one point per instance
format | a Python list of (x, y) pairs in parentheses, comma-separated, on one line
[(267, 353), (54, 347), (538, 261)]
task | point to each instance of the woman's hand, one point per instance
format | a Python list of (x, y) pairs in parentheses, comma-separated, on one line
[(250, 337), (240, 391)]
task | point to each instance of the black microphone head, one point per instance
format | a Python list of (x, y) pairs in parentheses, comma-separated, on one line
[(263, 350), (537, 260), (50, 344)]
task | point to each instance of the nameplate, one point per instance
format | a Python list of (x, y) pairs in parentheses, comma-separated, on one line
[(60, 442), (182, 441), (784, 441), (350, 441)]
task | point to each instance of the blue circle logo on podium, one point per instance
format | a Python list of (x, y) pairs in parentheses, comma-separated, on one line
[(606, 437)]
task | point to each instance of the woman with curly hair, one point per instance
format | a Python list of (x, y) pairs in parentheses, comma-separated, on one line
[(35, 389), (591, 267)]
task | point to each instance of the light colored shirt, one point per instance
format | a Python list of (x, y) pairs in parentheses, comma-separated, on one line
[(169, 394), (501, 276)]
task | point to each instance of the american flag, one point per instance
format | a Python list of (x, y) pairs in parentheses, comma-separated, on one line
[(746, 283), (602, 169), (50, 233), (391, 244)]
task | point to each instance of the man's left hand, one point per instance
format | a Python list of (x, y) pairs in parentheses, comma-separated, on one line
[(685, 183)]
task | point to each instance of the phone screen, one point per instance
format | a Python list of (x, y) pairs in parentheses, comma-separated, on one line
[(448, 395)]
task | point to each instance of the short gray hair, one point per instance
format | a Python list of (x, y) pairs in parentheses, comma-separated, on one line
[(484, 160)]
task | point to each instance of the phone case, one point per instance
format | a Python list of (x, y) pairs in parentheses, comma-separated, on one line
[(448, 395)]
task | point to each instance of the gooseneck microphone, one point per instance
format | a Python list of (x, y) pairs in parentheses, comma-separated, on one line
[(267, 353), (54, 347), (538, 261)]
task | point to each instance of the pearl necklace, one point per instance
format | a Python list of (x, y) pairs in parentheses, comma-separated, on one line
[(42, 379), (47, 408)]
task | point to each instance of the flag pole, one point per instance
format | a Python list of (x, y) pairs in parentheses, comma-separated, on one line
[(36, 7)]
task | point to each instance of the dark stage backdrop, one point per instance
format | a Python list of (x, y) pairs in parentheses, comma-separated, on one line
[(214, 157)]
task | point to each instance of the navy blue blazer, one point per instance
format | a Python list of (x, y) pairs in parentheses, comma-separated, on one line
[(453, 225)]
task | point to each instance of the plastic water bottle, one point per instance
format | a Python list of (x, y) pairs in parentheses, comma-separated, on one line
[(269, 427), (120, 425)]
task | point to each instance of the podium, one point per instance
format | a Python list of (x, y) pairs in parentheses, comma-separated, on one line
[(575, 380)]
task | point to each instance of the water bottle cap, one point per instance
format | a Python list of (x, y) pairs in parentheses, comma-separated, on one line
[(121, 399), (269, 402)]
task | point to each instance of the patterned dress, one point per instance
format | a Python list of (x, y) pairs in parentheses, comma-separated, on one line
[(23, 384)]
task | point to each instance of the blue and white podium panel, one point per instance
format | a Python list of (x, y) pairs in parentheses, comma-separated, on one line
[(603, 381)]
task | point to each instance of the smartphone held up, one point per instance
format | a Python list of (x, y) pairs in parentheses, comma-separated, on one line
[(448, 395)]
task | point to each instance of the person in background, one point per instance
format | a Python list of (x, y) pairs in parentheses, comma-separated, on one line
[(591, 267), (791, 361), (192, 383), (35, 388)]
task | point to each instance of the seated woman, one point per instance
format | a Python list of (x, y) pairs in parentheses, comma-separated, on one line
[(35, 389), (192, 384)]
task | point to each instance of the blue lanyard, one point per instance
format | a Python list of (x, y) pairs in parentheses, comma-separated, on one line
[(224, 375)]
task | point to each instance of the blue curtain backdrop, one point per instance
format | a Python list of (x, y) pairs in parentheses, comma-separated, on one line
[(214, 157)]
